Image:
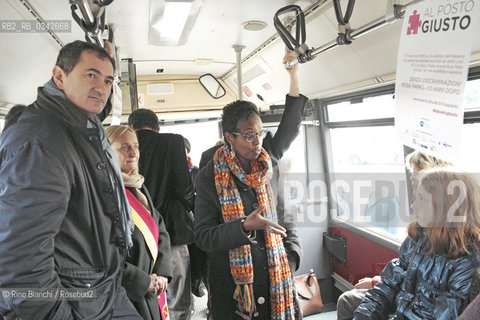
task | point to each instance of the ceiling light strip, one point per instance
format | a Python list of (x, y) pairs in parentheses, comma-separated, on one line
[(39, 18)]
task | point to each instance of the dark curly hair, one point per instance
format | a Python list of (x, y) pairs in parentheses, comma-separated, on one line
[(235, 112), (143, 118), (70, 54)]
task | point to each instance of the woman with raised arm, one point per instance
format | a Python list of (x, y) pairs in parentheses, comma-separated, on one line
[(250, 258)]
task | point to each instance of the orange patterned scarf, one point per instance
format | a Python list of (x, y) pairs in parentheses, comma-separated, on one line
[(226, 167)]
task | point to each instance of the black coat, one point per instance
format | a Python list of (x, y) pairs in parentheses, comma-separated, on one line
[(139, 266), (164, 165), (217, 238), (60, 223)]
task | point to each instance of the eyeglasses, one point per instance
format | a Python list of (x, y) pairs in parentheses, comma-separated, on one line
[(250, 137)]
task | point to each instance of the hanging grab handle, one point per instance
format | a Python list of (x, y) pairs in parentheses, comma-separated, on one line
[(297, 43), (338, 11), (343, 21), (291, 42), (93, 14), (345, 35)]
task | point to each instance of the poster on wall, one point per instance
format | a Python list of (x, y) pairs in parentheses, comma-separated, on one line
[(432, 68)]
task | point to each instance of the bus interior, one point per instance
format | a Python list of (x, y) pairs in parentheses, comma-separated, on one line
[(232, 49)]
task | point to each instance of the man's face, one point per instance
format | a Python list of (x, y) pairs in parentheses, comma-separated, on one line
[(89, 83)]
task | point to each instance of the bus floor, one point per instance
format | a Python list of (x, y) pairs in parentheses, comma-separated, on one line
[(326, 315), (200, 311), (200, 307)]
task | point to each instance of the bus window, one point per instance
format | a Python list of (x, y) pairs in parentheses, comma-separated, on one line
[(367, 160), (366, 152), (202, 136), (472, 95), (470, 151), (471, 147), (368, 108), (471, 131), (294, 161), (370, 160), (366, 149)]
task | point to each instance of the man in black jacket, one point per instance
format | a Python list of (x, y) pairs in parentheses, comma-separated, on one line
[(65, 221), (163, 163)]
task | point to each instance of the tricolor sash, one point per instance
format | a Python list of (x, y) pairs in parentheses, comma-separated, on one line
[(146, 224)]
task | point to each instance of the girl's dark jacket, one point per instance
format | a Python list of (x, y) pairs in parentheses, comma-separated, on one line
[(417, 286)]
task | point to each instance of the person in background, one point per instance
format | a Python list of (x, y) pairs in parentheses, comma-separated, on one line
[(13, 114), (416, 162), (164, 165), (437, 262), (250, 258), (472, 311), (191, 167), (197, 256), (207, 155), (66, 222), (147, 268)]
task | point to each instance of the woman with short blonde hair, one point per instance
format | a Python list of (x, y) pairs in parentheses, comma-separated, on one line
[(147, 269)]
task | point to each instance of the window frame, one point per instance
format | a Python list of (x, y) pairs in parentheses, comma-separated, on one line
[(325, 126)]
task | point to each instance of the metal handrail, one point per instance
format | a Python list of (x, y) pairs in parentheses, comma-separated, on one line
[(350, 34)]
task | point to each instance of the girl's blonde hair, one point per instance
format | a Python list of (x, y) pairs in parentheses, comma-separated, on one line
[(418, 161), (456, 204), (114, 132)]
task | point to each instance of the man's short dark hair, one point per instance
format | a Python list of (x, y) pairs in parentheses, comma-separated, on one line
[(143, 118), (235, 112), (70, 54)]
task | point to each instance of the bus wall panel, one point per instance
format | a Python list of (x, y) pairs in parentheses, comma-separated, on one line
[(365, 258)]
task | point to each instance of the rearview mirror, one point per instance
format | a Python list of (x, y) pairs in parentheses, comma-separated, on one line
[(212, 86)]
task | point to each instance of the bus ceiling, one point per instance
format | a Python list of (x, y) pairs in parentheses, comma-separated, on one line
[(92, 22), (253, 62)]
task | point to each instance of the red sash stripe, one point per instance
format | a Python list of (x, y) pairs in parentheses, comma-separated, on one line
[(145, 223)]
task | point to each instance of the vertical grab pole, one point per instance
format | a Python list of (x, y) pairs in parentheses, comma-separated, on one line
[(132, 84), (238, 51)]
